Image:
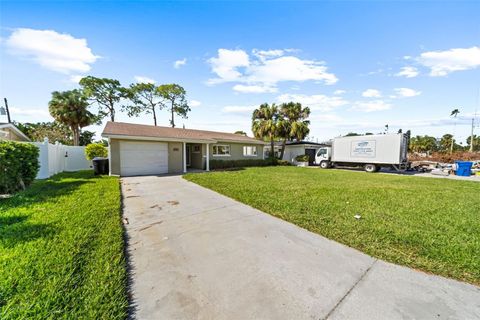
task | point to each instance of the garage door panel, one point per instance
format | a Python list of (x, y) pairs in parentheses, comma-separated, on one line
[(143, 158)]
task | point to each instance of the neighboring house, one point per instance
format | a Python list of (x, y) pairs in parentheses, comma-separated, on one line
[(136, 149), (9, 132), (296, 148)]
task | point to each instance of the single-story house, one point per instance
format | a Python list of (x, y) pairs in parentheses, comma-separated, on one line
[(296, 148), (9, 132), (137, 149)]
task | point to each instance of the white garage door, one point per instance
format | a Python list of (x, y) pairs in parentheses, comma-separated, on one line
[(143, 158)]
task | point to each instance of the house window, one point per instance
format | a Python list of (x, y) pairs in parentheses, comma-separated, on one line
[(221, 150), (196, 149), (250, 151)]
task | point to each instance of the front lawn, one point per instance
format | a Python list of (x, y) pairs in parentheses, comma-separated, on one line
[(424, 223), (61, 250)]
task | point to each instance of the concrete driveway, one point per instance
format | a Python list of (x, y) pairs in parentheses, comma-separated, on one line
[(196, 254)]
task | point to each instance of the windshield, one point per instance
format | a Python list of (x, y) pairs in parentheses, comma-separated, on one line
[(321, 152)]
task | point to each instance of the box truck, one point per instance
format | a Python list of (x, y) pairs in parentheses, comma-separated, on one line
[(371, 152)]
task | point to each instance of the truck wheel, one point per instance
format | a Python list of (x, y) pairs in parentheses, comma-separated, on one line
[(324, 164), (370, 168)]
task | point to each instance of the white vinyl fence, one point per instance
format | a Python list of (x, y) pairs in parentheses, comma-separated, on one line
[(55, 158)]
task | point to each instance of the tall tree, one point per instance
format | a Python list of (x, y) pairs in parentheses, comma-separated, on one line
[(292, 123), (454, 114), (447, 142), (70, 108), (146, 98), (106, 93), (53, 131), (476, 143), (265, 124), (423, 144), (86, 137), (175, 100)]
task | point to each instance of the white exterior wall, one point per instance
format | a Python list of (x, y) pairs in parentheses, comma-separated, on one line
[(292, 151), (56, 158)]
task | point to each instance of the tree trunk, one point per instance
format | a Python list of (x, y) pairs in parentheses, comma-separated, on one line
[(112, 114), (76, 136), (154, 116), (172, 122), (282, 152)]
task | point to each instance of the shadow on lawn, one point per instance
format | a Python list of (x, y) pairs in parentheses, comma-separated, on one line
[(43, 191), (15, 230)]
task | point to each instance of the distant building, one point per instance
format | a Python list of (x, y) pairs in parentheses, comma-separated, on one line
[(9, 132)]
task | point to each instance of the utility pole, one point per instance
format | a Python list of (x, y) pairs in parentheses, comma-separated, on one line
[(471, 136), (8, 112)]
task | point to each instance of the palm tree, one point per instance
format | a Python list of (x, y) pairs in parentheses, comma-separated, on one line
[(70, 108), (454, 114), (265, 124), (292, 123)]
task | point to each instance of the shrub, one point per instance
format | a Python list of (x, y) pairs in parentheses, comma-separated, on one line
[(18, 165), (94, 150), (226, 164), (302, 158), (283, 163)]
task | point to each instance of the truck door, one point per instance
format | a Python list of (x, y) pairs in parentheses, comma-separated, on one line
[(322, 155)]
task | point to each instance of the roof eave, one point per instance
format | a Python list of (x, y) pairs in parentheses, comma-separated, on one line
[(148, 138)]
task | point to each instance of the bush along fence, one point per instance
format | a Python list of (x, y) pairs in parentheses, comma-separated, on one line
[(18, 165), (56, 158)]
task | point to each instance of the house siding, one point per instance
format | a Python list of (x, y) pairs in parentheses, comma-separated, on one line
[(115, 156), (236, 151), (11, 135)]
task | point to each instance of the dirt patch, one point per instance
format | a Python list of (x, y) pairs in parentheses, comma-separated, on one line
[(173, 202)]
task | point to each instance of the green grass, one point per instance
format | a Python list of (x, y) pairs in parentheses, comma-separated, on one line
[(61, 250), (424, 223)]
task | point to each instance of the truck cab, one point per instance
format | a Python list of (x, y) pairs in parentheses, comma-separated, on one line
[(323, 156)]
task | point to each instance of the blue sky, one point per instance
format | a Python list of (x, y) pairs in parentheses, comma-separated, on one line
[(358, 65)]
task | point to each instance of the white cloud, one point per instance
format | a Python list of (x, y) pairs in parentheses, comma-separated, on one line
[(290, 68), (441, 63), (408, 72), (370, 106), (75, 78), (29, 112), (265, 68), (143, 79), (194, 103), (264, 54), (179, 63), (55, 51), (239, 109), (371, 93), (406, 92), (339, 92), (315, 102), (226, 65), (261, 88)]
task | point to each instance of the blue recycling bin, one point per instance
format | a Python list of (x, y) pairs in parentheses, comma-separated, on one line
[(464, 168)]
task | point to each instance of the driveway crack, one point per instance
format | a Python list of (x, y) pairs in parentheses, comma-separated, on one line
[(335, 307)]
